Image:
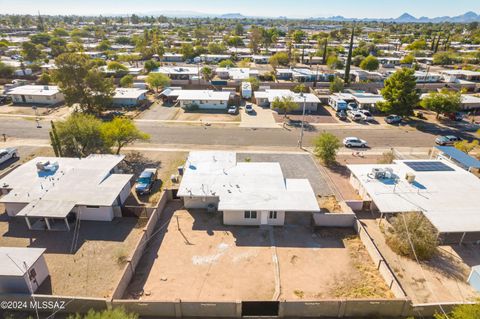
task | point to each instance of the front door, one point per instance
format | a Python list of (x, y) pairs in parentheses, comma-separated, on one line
[(264, 218), (24, 100)]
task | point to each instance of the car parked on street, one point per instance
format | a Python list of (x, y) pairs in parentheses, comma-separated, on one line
[(447, 140), (393, 119), (354, 142), (7, 154), (145, 181)]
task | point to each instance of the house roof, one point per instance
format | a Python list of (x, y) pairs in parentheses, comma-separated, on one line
[(177, 70), (245, 186), (43, 90), (448, 198), (14, 259), (195, 95), (272, 94), (459, 156), (48, 192), (128, 93)]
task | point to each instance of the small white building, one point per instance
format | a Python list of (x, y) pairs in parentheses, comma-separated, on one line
[(246, 90), (179, 72), (246, 193), (446, 194), (129, 97), (236, 74), (265, 98), (51, 192), (22, 270), (204, 99), (36, 94)]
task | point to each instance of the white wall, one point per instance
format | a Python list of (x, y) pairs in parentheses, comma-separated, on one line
[(38, 99), (207, 105), (102, 213), (125, 192), (41, 270), (199, 202), (231, 217), (13, 208)]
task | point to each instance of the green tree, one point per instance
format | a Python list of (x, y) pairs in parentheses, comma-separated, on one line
[(326, 147), (117, 313), (81, 135), (157, 80), (104, 45), (279, 58), (207, 73), (419, 44), (120, 132), (300, 88), (126, 81), (336, 85), (466, 146), (408, 59), (116, 66), (187, 51), (255, 39), (57, 46), (151, 65), (285, 104), (254, 82), (44, 78), (442, 102), (465, 311), (6, 71), (216, 48), (400, 93), (370, 63), (81, 82), (226, 64), (412, 235), (349, 57), (31, 52), (235, 41), (41, 38), (334, 62)]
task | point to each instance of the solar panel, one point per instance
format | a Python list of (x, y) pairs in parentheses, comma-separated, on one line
[(429, 166)]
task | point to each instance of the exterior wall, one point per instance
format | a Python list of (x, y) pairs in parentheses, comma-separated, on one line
[(19, 284), (101, 213), (42, 273), (231, 217), (38, 99), (127, 102), (199, 202), (12, 209), (125, 192), (206, 105)]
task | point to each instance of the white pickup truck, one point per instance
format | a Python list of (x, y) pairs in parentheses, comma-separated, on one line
[(7, 153)]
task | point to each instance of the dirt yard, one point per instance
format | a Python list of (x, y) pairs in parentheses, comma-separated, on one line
[(206, 116), (57, 111), (196, 257), (445, 274), (95, 265)]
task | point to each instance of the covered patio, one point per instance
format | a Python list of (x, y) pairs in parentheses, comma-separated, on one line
[(47, 215)]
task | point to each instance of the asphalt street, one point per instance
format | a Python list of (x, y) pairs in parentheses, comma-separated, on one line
[(239, 136)]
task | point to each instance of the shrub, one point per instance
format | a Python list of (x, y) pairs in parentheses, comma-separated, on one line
[(191, 107), (412, 229), (326, 147)]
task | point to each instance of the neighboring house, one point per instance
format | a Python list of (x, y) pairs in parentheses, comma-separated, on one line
[(469, 102), (36, 94), (22, 270), (51, 192), (211, 58), (204, 99), (389, 62), (246, 193), (452, 76), (172, 57), (261, 59), (236, 74), (446, 194), (265, 98), (364, 100), (179, 72), (427, 77), (302, 75), (129, 97)]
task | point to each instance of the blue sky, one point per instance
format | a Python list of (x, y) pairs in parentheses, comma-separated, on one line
[(290, 8)]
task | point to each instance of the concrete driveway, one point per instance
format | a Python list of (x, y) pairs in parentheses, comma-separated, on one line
[(260, 118), (159, 112)]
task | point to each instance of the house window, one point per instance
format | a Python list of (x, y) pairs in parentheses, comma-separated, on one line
[(273, 214), (32, 274), (250, 214)]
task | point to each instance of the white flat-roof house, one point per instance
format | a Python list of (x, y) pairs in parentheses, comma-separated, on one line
[(36, 94), (179, 72), (129, 96), (236, 74), (22, 269), (468, 101), (246, 193), (204, 99), (265, 98), (50, 192), (445, 193)]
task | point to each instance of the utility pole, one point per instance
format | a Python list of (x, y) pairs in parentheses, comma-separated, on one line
[(300, 142), (349, 57)]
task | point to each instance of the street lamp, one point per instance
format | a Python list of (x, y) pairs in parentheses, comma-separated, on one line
[(300, 143)]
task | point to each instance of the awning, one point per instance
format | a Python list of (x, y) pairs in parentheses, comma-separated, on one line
[(459, 156), (47, 209)]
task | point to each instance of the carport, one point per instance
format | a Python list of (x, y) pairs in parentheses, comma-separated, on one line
[(47, 215), (460, 158)]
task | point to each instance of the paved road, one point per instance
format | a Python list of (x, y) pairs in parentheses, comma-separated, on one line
[(239, 136)]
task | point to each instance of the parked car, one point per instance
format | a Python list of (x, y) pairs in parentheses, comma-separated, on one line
[(232, 110), (393, 119), (354, 142), (447, 140), (145, 181), (7, 154), (341, 115), (366, 115), (3, 99), (249, 108), (352, 106), (456, 116), (355, 116)]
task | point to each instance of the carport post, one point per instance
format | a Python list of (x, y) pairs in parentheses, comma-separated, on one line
[(48, 223), (66, 223), (463, 237), (28, 223)]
